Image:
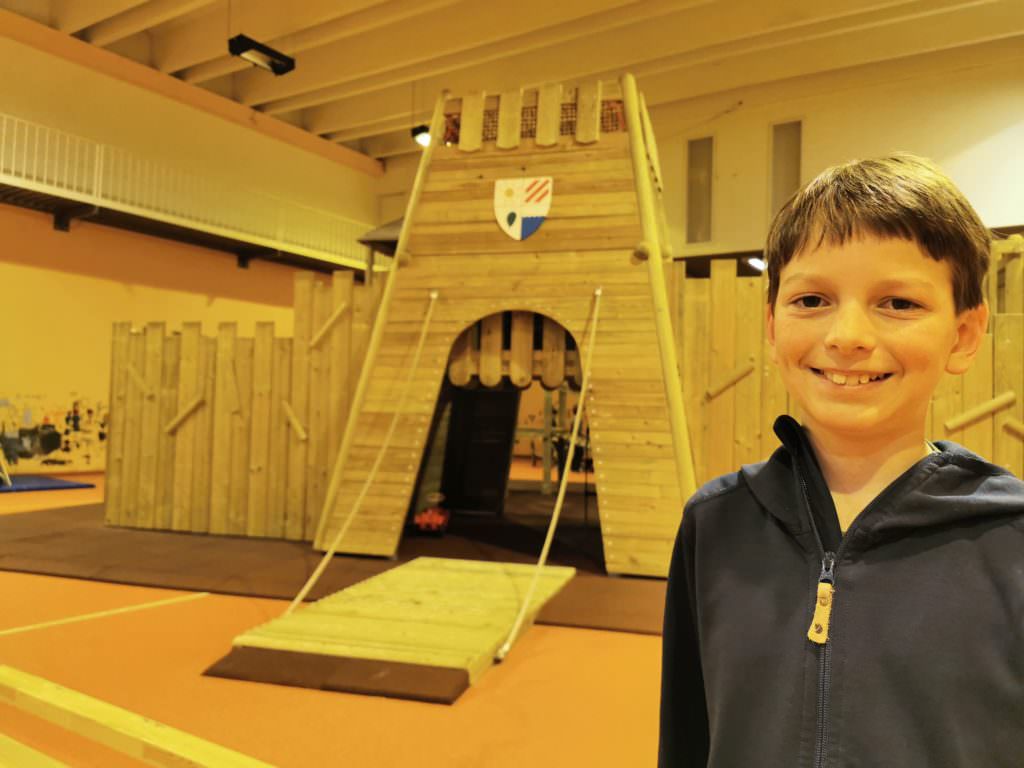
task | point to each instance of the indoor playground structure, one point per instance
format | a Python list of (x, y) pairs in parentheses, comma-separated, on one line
[(534, 247)]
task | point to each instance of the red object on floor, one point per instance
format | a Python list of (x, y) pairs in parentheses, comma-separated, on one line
[(432, 519)]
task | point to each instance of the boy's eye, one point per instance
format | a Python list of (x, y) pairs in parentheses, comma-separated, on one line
[(896, 300), (897, 303)]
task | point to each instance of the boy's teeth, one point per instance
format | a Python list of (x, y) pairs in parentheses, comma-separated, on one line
[(839, 378)]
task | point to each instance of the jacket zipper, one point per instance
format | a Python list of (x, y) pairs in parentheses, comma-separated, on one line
[(818, 632)]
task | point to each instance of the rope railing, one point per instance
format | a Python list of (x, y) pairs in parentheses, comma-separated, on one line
[(328, 506), (562, 485)]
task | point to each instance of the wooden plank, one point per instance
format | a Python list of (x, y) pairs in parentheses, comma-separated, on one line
[(567, 234), (241, 438), (588, 112), (164, 510), (773, 390), (17, 755), (134, 735), (461, 366), (521, 349), (1008, 450), (202, 446), (277, 483), (340, 361), (118, 417), (297, 449), (190, 387), (259, 453), (549, 114), (510, 113), (149, 426), (553, 347), (978, 388), (471, 122), (490, 350), (722, 410), (749, 338), (317, 415), (224, 404)]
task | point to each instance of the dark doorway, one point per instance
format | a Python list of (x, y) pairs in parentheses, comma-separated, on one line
[(481, 435)]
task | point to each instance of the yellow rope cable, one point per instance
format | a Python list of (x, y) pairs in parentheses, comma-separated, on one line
[(563, 484), (373, 470)]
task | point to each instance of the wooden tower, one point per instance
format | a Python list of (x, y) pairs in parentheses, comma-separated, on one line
[(593, 150)]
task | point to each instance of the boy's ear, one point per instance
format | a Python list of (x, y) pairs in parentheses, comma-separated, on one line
[(970, 329), (769, 328)]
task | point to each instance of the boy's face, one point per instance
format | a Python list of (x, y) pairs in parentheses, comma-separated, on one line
[(877, 306)]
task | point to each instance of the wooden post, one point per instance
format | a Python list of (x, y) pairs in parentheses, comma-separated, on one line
[(663, 323)]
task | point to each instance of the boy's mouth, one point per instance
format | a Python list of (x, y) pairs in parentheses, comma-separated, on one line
[(851, 380)]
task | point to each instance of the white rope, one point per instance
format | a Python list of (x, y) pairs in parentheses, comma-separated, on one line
[(563, 484)]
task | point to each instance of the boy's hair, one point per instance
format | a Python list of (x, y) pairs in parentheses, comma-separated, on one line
[(899, 196)]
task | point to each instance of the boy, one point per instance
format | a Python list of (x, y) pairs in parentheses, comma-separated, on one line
[(857, 599)]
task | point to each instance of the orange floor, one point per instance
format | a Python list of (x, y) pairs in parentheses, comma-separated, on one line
[(563, 697)]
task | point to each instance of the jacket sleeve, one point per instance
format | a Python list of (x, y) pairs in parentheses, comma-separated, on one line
[(683, 739)]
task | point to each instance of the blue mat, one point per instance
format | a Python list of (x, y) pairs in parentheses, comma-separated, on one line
[(40, 483)]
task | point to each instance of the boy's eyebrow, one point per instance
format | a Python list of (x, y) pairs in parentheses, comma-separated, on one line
[(898, 282)]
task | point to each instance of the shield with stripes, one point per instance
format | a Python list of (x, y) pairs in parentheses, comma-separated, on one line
[(521, 205)]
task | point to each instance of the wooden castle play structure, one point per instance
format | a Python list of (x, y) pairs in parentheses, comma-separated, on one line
[(544, 202)]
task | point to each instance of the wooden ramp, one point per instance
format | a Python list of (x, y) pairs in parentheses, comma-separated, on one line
[(433, 612)]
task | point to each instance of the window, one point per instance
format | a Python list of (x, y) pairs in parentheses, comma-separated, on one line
[(785, 179), (698, 190)]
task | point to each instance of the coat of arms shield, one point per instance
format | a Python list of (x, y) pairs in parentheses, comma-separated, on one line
[(521, 205)]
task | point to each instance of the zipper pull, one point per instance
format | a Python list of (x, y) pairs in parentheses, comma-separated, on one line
[(818, 631)]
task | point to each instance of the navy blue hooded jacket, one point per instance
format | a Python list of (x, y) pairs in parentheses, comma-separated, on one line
[(924, 662)]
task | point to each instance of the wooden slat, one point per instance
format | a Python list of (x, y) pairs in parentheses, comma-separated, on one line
[(225, 403), (139, 737), (280, 436), (553, 346), (299, 401), (490, 350), (340, 360), (510, 112), (202, 446), (164, 509), (150, 427), (749, 337), (521, 349), (588, 112), (549, 114), (461, 366), (317, 415), (190, 386), (17, 755), (241, 439), (259, 453), (722, 410), (1008, 450), (471, 122), (119, 386), (978, 388)]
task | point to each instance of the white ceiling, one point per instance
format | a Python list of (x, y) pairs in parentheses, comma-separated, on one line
[(368, 70)]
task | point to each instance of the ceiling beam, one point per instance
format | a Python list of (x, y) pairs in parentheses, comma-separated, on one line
[(204, 38), (139, 19), (608, 53), (350, 25), (73, 16), (80, 53), (466, 26)]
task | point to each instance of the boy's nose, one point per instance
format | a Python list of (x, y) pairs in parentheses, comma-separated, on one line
[(851, 329)]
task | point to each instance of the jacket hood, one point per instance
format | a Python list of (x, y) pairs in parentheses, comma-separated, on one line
[(952, 487)]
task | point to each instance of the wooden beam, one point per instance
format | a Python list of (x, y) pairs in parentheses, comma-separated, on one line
[(414, 42), (71, 16), (139, 19), (15, 753), (127, 732), (57, 44)]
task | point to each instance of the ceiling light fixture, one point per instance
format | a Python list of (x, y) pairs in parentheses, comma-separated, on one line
[(421, 134), (260, 55)]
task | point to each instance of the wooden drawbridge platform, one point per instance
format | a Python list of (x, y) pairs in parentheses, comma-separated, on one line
[(433, 612)]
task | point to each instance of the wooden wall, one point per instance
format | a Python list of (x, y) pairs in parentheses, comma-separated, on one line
[(229, 434)]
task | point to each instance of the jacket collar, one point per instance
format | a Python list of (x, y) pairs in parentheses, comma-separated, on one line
[(954, 486)]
